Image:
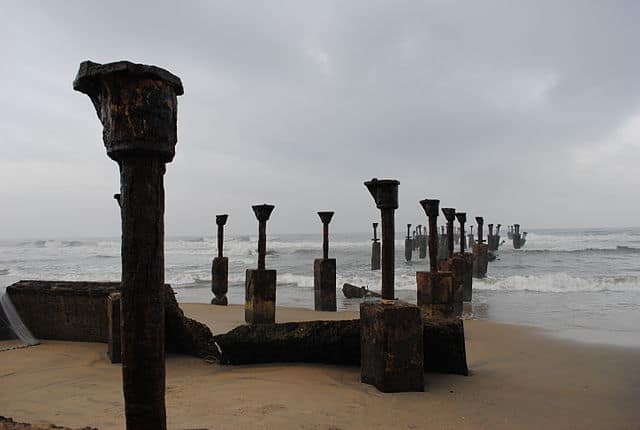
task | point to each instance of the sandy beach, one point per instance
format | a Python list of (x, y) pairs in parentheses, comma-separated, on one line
[(521, 378)]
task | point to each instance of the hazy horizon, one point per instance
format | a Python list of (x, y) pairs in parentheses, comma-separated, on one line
[(526, 113)]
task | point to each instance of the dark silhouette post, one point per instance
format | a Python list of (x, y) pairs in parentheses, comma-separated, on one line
[(467, 289), (518, 239), (324, 271), (435, 289), (454, 263), (408, 244), (220, 267), (137, 105), (391, 331), (422, 252), (375, 249), (471, 237), (480, 253), (260, 284)]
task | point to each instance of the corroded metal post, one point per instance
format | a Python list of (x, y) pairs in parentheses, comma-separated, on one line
[(435, 289), (408, 244), (462, 219), (454, 263), (137, 105), (324, 271), (260, 284), (467, 289), (375, 249), (391, 331), (220, 267), (422, 251), (480, 253)]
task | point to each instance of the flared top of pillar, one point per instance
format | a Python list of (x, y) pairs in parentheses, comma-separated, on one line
[(263, 212), (384, 192), (479, 220), (430, 207), (325, 216), (462, 217), (137, 105), (221, 219), (449, 214), (375, 225)]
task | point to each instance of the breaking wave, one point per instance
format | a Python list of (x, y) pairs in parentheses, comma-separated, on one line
[(558, 283)]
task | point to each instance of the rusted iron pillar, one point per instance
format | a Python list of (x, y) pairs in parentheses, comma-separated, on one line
[(137, 105), (260, 284), (480, 253), (408, 244), (422, 251), (450, 216), (467, 288), (391, 331), (518, 239), (435, 289), (324, 271), (375, 249), (462, 219), (220, 267)]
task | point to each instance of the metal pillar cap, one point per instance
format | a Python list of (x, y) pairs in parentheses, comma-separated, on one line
[(430, 207), (479, 220), (263, 212), (221, 219), (462, 217), (137, 107), (326, 216), (384, 192), (449, 214)]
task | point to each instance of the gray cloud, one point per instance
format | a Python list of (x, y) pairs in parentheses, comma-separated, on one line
[(526, 112)]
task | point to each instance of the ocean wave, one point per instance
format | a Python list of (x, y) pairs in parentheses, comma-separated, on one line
[(558, 283), (4, 272), (619, 249)]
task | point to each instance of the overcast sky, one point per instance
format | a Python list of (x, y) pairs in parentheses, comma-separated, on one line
[(521, 111)]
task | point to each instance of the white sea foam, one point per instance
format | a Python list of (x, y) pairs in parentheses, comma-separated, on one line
[(558, 283)]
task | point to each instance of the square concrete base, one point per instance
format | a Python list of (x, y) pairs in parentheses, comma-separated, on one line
[(391, 346), (114, 350), (480, 260), (460, 271), (324, 284), (467, 287), (260, 297), (436, 294), (220, 280)]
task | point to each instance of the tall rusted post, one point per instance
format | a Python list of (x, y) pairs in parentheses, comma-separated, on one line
[(260, 284), (450, 215), (462, 219), (467, 289), (391, 341), (518, 239), (220, 267), (375, 249), (324, 271), (137, 105), (480, 253), (408, 244), (435, 289), (422, 252)]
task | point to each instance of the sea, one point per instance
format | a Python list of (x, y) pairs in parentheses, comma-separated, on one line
[(582, 285)]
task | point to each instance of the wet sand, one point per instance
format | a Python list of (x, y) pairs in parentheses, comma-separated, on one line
[(521, 378)]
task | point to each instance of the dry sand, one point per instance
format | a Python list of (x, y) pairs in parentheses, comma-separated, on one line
[(521, 378)]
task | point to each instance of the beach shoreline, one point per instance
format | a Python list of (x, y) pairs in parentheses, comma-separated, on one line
[(520, 378)]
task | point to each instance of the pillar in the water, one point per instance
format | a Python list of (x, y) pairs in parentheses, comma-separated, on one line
[(480, 253), (467, 290), (391, 331), (375, 249), (260, 284), (137, 106), (454, 263), (324, 271), (220, 267), (435, 289), (408, 244)]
